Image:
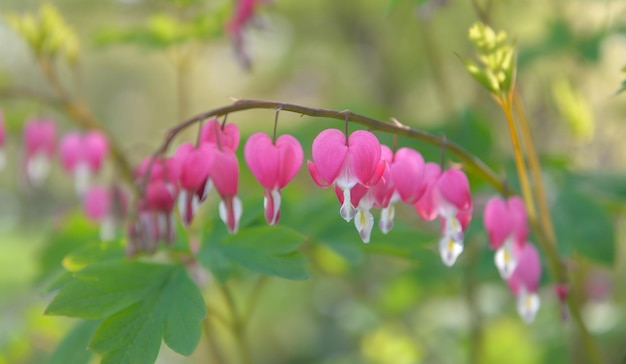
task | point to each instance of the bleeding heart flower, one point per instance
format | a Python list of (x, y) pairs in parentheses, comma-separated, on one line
[(524, 280), (346, 163), (107, 207), (82, 156), (273, 165), (243, 14), (507, 225), (222, 137), (39, 145), (195, 165), (447, 195), (403, 180), (224, 175)]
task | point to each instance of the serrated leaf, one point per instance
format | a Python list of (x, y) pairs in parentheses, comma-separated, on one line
[(73, 348), (584, 227), (271, 250), (173, 311), (101, 290)]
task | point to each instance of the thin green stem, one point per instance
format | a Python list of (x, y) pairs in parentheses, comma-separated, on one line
[(212, 340), (238, 325), (518, 153)]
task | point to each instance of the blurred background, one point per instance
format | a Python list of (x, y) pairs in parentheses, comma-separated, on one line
[(145, 65)]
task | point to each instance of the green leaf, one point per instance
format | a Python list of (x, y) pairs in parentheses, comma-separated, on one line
[(601, 183), (271, 250), (101, 290), (73, 348), (172, 312), (94, 252), (584, 227), (75, 232)]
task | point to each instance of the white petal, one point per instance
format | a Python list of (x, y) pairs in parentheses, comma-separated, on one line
[(505, 259), (82, 176), (527, 305), (347, 210), (237, 211), (450, 249), (276, 199), (386, 218), (364, 222), (37, 168)]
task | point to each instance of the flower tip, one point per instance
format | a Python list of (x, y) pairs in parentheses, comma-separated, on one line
[(450, 249), (528, 306)]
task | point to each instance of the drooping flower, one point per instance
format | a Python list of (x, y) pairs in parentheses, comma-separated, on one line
[(225, 177), (273, 165), (82, 155), (243, 14), (403, 180), (195, 165), (222, 137), (362, 200), (447, 195), (106, 206), (155, 220), (507, 225), (524, 280), (224, 171), (346, 163), (39, 145)]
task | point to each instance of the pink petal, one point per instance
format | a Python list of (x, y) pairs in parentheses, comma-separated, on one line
[(291, 156), (425, 206), (407, 170), (356, 194), (2, 131), (97, 203), (329, 152), (498, 222), (160, 196), (364, 156), (453, 188), (527, 271), (263, 159), (384, 189), (225, 172), (39, 135), (195, 165), (95, 146), (228, 137), (70, 150)]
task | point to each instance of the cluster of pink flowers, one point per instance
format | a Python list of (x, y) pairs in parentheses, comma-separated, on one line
[(367, 175), (364, 173), (82, 156), (517, 259)]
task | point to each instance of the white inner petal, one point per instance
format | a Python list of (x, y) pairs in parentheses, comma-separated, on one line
[(527, 305), (364, 222), (82, 177), (505, 259), (450, 248), (107, 228), (347, 211), (386, 218), (37, 168)]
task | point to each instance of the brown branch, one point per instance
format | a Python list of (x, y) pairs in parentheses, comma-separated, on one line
[(471, 162)]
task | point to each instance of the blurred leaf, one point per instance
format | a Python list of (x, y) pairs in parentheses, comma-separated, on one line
[(584, 227), (103, 289), (611, 185), (172, 312), (73, 348), (574, 108), (271, 250), (75, 232)]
